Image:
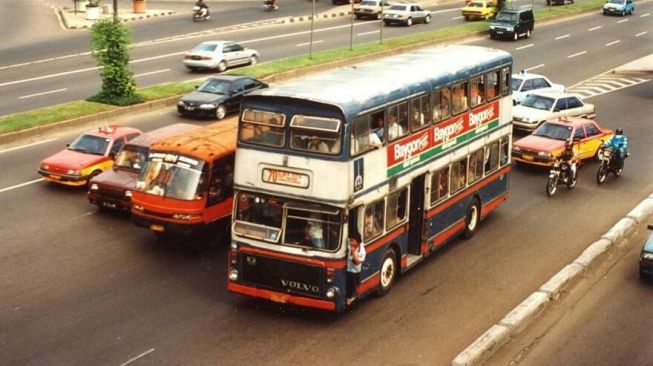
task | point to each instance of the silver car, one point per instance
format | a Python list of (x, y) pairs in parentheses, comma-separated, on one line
[(371, 9), (407, 14), (219, 55), (542, 106)]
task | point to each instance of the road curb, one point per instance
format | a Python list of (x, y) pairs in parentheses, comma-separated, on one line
[(521, 316)]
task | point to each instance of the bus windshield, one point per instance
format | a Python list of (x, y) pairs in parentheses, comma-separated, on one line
[(165, 179), (131, 157), (286, 222)]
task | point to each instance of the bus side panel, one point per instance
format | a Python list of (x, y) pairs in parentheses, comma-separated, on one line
[(219, 211), (494, 192), (376, 251)]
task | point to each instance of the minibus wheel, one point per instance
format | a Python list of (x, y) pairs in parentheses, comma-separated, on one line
[(472, 218), (388, 272)]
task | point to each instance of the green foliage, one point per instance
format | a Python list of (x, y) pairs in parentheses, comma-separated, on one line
[(110, 46)]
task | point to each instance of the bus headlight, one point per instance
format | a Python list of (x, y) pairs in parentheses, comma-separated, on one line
[(128, 193), (332, 292), (233, 274), (94, 187)]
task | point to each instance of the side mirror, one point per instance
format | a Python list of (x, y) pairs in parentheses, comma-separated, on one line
[(196, 86), (112, 155), (67, 145)]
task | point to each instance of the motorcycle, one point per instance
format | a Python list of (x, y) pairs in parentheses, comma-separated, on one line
[(200, 14), (560, 173), (270, 5), (608, 158)]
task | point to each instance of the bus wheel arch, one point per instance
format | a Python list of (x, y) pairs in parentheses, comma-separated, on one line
[(389, 270), (472, 217)]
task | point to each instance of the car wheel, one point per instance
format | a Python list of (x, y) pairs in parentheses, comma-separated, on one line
[(427, 20), (515, 36), (357, 16), (493, 37), (253, 60), (221, 111), (222, 66), (386, 23), (548, 2), (388, 273), (409, 22), (466, 18), (472, 218), (528, 33)]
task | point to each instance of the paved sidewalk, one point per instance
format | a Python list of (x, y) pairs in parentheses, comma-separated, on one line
[(642, 66), (77, 20)]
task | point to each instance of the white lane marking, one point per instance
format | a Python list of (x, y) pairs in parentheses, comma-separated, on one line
[(524, 47), (152, 72), (644, 15), (613, 42), (641, 34), (157, 57), (623, 20), (49, 76), (563, 37), (577, 54), (535, 67), (28, 145), (43, 93), (307, 43), (456, 18), (366, 33), (82, 215), (445, 11), (594, 28), (21, 185), (137, 357)]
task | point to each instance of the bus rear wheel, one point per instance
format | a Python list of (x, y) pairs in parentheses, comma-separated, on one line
[(472, 218), (388, 273)]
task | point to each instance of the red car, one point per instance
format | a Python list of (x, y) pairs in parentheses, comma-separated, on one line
[(89, 155), (547, 142)]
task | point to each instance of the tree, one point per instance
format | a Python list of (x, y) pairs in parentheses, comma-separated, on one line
[(110, 47), (501, 4)]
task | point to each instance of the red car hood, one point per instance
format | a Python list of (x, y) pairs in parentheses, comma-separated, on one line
[(538, 143), (122, 178), (70, 159)]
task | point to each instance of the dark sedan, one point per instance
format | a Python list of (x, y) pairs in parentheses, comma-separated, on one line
[(218, 96), (646, 257)]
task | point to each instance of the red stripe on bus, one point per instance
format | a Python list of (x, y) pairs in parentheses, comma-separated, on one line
[(490, 206), (294, 258), (386, 239), (471, 188), (281, 297), (443, 236), (368, 284), (404, 262)]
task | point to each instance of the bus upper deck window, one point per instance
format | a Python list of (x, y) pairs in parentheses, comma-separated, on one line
[(262, 128), (316, 134)]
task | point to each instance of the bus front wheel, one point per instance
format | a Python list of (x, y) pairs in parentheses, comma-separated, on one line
[(472, 218), (388, 272)]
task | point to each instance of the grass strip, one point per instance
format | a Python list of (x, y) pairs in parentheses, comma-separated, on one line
[(62, 112)]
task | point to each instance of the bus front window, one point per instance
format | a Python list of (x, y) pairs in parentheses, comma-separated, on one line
[(170, 180), (312, 229), (131, 157), (258, 217)]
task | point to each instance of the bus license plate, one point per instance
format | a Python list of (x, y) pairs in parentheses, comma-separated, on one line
[(157, 228)]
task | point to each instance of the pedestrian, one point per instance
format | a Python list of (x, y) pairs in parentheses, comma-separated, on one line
[(355, 259)]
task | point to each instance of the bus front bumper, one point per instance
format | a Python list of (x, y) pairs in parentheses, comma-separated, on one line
[(283, 298), (164, 227)]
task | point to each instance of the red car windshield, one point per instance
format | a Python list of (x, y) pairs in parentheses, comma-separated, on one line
[(90, 144), (554, 131)]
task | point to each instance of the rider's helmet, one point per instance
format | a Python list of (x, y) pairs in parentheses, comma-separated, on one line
[(619, 131)]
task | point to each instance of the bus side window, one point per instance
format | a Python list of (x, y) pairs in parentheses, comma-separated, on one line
[(505, 81), (475, 166), (491, 157), (419, 113), (397, 121), (504, 153), (439, 184), (459, 98), (458, 175), (493, 87), (396, 208), (373, 220), (477, 91), (221, 181), (362, 137)]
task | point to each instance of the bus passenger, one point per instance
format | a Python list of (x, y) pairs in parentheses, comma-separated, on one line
[(355, 259), (370, 227), (394, 129), (314, 233), (315, 144), (378, 127)]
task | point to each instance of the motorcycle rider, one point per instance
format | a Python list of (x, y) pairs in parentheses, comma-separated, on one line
[(568, 157), (619, 143), (271, 4), (204, 9)]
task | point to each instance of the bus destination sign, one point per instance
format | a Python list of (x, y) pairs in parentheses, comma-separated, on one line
[(286, 178)]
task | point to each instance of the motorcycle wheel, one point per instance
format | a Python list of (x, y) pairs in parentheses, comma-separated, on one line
[(618, 172), (551, 186), (601, 174), (571, 182)]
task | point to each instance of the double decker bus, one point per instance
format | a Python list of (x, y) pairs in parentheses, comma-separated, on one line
[(407, 151), (186, 184)]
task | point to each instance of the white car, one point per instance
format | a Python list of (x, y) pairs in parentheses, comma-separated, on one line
[(525, 83), (371, 9), (219, 55), (538, 107), (406, 13)]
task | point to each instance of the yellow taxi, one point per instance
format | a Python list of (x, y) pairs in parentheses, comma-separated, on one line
[(480, 9), (89, 155)]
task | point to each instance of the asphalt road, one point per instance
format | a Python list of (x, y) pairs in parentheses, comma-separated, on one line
[(81, 287), (53, 67)]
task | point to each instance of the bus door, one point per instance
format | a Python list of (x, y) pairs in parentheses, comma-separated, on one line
[(416, 219)]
